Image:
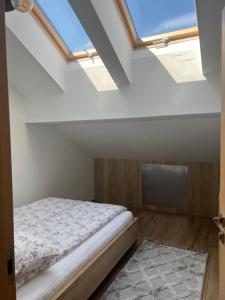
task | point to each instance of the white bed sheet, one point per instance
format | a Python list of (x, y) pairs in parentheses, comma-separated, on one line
[(47, 283)]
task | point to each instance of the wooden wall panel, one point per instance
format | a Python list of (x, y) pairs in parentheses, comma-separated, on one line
[(120, 182), (204, 189)]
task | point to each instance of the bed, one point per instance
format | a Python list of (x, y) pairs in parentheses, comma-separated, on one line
[(65, 248)]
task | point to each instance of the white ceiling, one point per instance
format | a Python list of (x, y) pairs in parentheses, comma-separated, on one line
[(188, 138)]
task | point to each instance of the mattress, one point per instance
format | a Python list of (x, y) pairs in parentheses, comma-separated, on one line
[(47, 230), (48, 282)]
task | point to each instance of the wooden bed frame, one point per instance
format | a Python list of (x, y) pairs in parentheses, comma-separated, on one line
[(89, 278)]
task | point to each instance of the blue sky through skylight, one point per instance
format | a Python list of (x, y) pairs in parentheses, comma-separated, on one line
[(66, 23), (153, 17)]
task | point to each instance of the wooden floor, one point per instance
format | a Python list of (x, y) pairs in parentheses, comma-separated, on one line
[(191, 232)]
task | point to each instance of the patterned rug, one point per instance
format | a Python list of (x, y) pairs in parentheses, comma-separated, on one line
[(162, 272)]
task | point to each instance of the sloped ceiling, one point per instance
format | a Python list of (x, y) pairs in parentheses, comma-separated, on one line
[(24, 72), (188, 138)]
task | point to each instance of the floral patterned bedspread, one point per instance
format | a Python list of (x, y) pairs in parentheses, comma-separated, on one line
[(62, 223)]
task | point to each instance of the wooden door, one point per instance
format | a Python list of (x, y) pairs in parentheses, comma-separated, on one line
[(222, 174), (7, 282)]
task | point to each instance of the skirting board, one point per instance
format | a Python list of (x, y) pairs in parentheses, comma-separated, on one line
[(90, 277)]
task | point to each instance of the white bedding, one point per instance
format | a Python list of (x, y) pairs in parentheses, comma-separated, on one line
[(47, 283), (58, 224)]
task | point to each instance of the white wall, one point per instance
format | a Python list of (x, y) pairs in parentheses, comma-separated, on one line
[(44, 161)]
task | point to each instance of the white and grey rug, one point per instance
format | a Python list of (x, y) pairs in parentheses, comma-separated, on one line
[(162, 272)]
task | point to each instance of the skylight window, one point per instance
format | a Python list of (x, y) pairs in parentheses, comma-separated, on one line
[(67, 26), (154, 19), (149, 22)]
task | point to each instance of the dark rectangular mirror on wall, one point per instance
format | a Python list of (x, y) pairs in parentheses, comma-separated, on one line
[(165, 185)]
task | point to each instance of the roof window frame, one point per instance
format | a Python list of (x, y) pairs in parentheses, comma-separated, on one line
[(152, 41)]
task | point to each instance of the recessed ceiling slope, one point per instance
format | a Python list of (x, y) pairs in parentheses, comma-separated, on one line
[(188, 138)]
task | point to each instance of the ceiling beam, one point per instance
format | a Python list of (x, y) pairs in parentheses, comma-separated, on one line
[(101, 21), (209, 14)]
